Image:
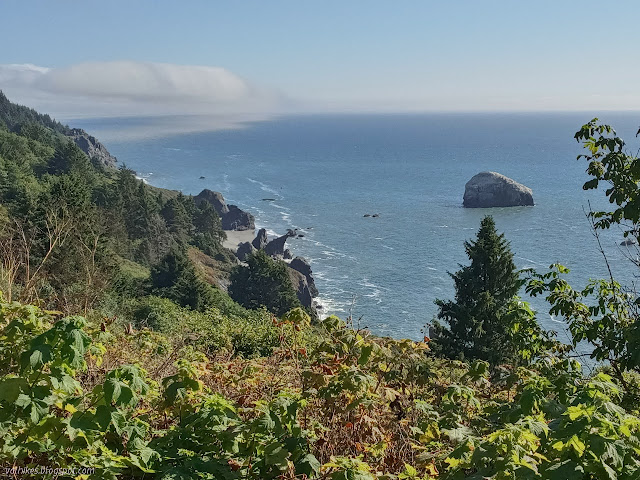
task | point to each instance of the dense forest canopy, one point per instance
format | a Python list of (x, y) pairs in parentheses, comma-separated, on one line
[(68, 224)]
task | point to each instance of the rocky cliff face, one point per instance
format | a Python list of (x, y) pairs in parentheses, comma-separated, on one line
[(244, 250), (261, 239), (491, 189), (300, 264), (95, 150), (301, 286), (215, 199)]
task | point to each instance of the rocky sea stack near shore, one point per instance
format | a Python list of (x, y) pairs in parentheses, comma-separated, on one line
[(491, 189), (236, 220), (299, 268), (233, 218)]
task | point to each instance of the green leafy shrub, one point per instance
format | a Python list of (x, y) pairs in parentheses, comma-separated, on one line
[(248, 335)]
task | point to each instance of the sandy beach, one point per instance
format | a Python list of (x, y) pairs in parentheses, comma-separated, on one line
[(235, 238)]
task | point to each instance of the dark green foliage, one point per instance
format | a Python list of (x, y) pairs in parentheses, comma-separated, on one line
[(39, 133), (208, 235), (476, 321), (605, 314), (175, 278), (264, 282), (70, 223), (609, 163), (69, 158), (242, 332), (178, 219), (14, 116), (130, 280)]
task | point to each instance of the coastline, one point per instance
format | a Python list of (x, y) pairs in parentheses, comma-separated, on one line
[(241, 231), (236, 237)]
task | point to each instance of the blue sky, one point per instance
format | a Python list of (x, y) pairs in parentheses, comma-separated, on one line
[(320, 56)]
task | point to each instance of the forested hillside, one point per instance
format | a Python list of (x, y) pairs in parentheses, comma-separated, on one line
[(72, 229), (119, 360)]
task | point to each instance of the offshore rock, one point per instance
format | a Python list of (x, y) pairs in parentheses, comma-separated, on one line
[(491, 189), (96, 151)]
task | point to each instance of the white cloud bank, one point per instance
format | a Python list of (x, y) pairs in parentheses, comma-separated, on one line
[(134, 88)]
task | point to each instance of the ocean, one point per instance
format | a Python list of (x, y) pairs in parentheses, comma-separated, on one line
[(325, 172)]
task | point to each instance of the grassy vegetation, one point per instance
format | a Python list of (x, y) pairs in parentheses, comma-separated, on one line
[(190, 395)]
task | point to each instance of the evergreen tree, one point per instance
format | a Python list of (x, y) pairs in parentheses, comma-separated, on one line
[(208, 234), (177, 219), (264, 282), (477, 321), (175, 278)]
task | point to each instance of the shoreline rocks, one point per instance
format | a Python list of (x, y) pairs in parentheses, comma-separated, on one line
[(299, 269), (244, 249), (491, 189), (301, 286), (238, 219), (233, 218), (261, 239), (275, 248), (300, 264)]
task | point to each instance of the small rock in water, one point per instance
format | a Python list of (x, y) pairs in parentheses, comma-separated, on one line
[(201, 177), (367, 215), (300, 235), (268, 199)]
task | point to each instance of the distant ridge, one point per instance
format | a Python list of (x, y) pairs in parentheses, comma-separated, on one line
[(15, 116)]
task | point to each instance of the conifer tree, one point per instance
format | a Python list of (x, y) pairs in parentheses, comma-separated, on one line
[(175, 278), (477, 325), (264, 282)]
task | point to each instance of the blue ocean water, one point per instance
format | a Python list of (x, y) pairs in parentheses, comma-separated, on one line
[(325, 172)]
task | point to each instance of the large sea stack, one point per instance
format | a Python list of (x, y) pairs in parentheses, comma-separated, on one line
[(491, 189)]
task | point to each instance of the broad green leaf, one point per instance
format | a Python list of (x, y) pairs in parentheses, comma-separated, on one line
[(23, 401), (308, 465), (276, 454)]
